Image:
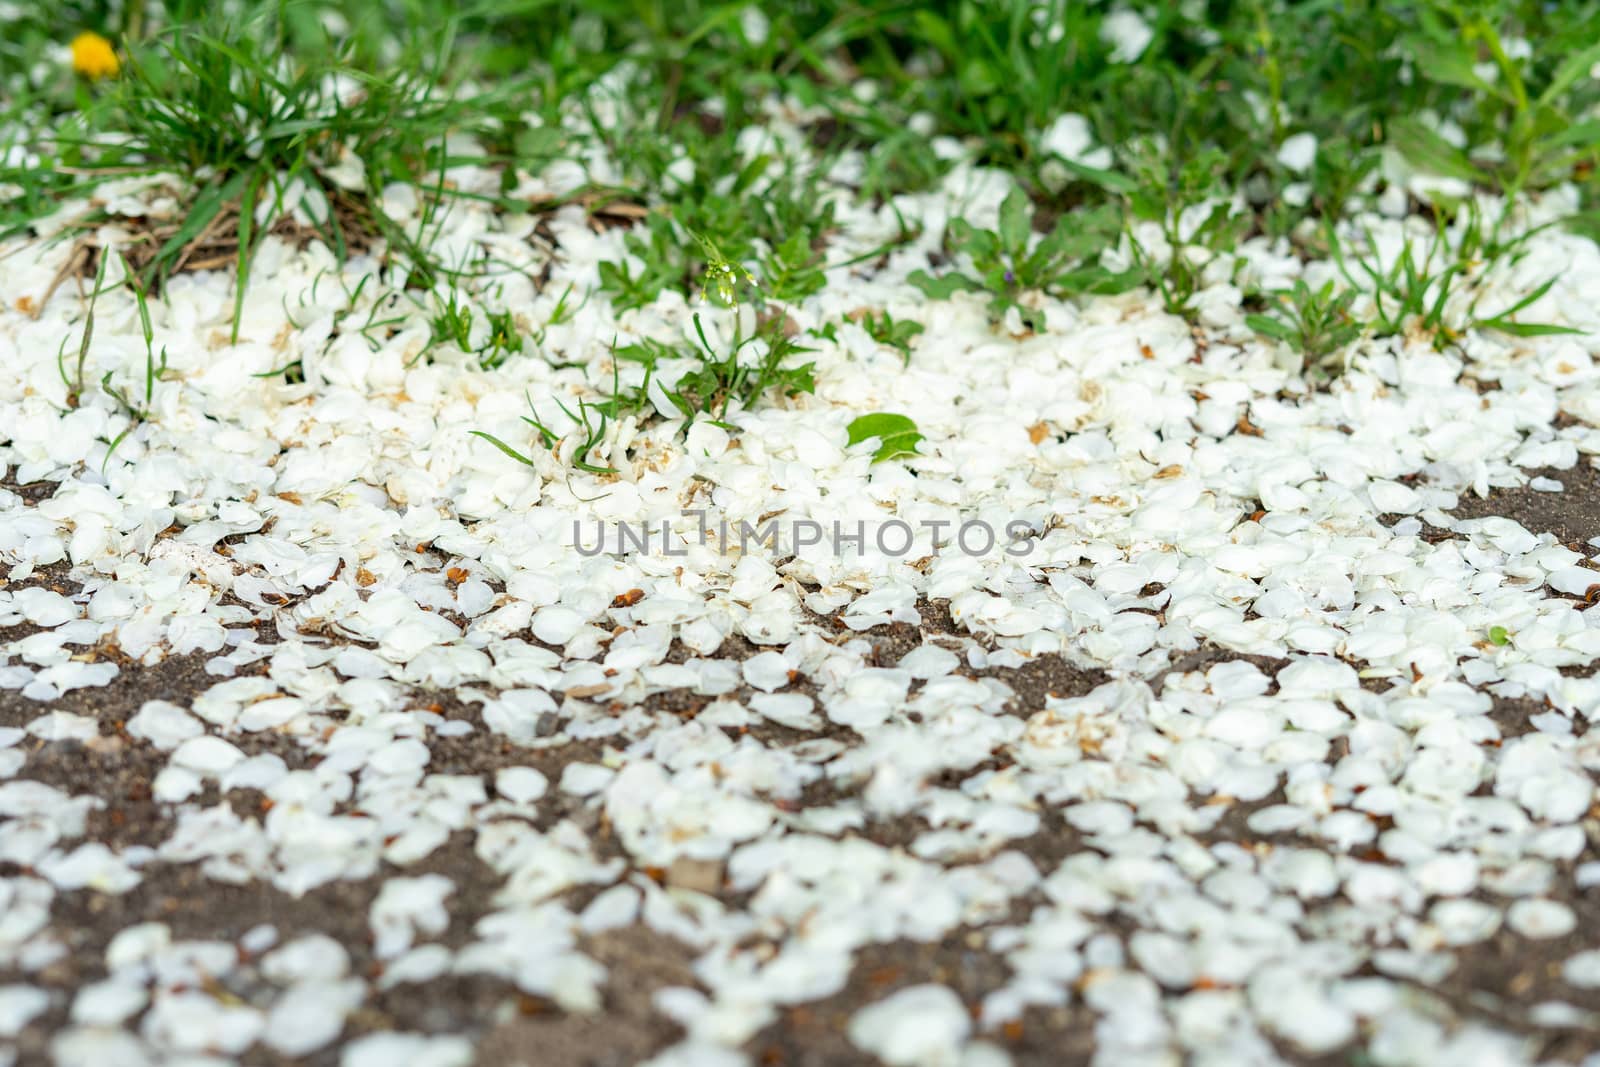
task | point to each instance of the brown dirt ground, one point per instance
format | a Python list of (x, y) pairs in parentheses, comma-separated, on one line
[(1573, 515), (118, 769), (1508, 971), (1498, 981)]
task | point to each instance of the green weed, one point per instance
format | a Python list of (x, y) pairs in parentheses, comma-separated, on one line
[(1314, 322), (1007, 262), (883, 329), (1168, 192), (1414, 291), (590, 418), (762, 209), (734, 377)]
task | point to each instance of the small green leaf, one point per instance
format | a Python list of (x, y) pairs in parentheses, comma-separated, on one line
[(1498, 636), (1425, 149), (1448, 63), (1575, 66), (502, 446), (897, 435), (942, 287), (1270, 327), (1016, 222)]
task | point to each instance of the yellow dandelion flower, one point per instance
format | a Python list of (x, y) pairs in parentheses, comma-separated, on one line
[(93, 56)]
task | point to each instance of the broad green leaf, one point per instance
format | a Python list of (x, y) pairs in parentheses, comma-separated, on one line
[(1448, 63), (1572, 68), (1016, 222), (897, 435), (1098, 280), (942, 287), (1425, 149)]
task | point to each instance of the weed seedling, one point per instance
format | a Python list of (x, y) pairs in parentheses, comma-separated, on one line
[(1007, 262), (883, 329), (720, 380), (452, 323), (1315, 322), (1169, 193), (137, 413), (74, 382), (590, 418)]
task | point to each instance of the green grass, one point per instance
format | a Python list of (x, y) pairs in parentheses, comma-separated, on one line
[(722, 377), (1007, 262), (1214, 75), (262, 115), (265, 113)]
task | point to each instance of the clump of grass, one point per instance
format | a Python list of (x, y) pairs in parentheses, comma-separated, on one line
[(1168, 192), (310, 107), (1007, 262), (762, 209), (261, 131), (592, 420), (451, 323), (722, 378), (999, 70), (1413, 292), (1522, 109), (1314, 322), (1410, 296), (719, 381)]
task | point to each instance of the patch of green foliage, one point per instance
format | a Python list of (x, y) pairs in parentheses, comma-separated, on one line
[(1315, 322), (734, 376), (264, 106), (264, 113), (759, 209), (884, 329), (1007, 262)]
